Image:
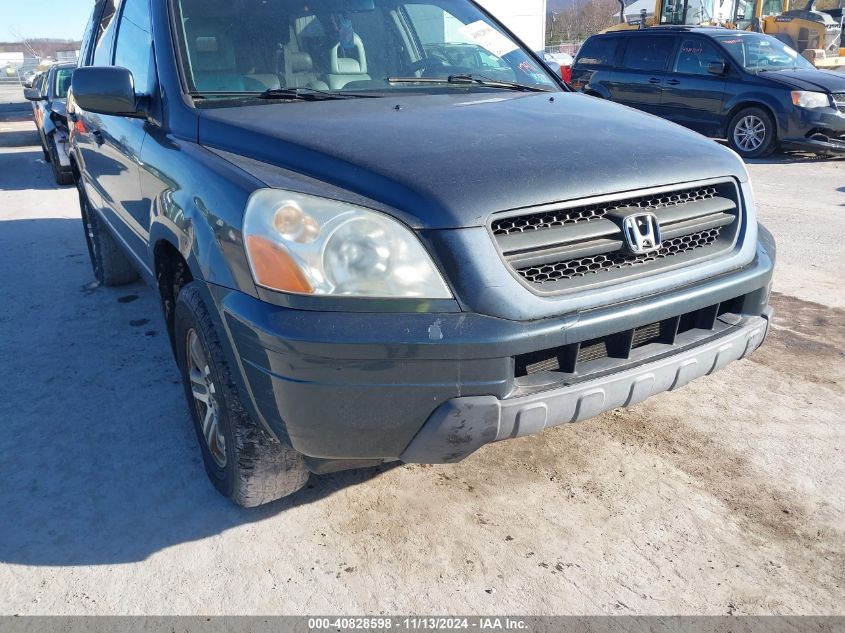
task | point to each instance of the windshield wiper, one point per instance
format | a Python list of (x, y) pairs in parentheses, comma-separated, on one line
[(290, 94), (310, 94), (478, 80)]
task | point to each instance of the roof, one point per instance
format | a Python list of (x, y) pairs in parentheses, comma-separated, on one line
[(705, 30)]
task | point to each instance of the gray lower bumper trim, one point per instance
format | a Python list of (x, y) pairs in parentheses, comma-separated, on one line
[(463, 425)]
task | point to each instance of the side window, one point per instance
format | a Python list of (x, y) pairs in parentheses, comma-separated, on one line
[(647, 53), (599, 51), (105, 34), (772, 7), (695, 56), (87, 37), (134, 43)]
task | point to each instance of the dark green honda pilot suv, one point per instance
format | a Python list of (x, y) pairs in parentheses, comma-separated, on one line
[(368, 251)]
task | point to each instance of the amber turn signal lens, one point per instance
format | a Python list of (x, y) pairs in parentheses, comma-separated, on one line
[(273, 266)]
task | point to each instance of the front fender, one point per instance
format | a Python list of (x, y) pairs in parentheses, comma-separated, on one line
[(197, 204), (764, 99)]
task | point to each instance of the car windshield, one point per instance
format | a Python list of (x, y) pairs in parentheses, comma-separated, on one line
[(290, 49), (758, 53), (63, 77)]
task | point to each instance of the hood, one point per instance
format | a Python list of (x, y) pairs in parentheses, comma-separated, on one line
[(801, 79), (59, 106), (448, 161)]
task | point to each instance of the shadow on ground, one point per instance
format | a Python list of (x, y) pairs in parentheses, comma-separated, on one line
[(39, 178), (780, 158), (23, 138), (99, 460)]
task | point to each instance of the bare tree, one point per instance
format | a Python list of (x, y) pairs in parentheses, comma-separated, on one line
[(581, 19)]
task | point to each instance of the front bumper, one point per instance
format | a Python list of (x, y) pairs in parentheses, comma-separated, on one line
[(821, 131), (351, 388), (463, 425)]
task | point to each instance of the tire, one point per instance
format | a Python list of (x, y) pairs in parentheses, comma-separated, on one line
[(243, 461), (110, 264), (43, 147), (752, 133), (62, 176)]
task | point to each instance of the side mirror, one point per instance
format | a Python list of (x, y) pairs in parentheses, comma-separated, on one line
[(105, 90), (716, 68), (32, 94)]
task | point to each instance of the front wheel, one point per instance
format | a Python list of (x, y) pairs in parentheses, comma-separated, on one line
[(752, 133), (242, 460)]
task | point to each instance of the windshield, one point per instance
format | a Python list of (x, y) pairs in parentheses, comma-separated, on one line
[(63, 76), (347, 46), (757, 53)]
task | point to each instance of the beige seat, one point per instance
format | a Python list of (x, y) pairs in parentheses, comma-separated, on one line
[(299, 71), (347, 69)]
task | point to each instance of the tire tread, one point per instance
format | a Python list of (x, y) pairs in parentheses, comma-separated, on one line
[(264, 468)]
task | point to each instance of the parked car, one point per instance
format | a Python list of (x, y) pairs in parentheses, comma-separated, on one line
[(49, 106), (555, 61), (29, 77), (377, 258), (749, 88)]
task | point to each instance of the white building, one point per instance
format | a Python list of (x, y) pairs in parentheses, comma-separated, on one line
[(11, 60), (526, 18)]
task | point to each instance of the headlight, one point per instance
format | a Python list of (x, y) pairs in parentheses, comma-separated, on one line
[(804, 99), (315, 246)]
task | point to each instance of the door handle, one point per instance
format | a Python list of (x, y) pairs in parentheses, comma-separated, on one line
[(654, 80), (673, 82), (98, 136)]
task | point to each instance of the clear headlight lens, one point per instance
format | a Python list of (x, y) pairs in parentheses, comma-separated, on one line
[(804, 99), (309, 245)]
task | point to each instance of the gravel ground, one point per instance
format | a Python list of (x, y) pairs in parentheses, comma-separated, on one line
[(725, 497)]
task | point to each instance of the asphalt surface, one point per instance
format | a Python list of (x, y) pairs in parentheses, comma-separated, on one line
[(725, 497)]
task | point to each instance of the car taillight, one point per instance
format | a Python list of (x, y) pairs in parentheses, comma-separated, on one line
[(566, 74)]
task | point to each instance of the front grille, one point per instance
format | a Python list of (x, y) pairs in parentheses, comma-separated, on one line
[(562, 217), (839, 99), (566, 246), (599, 263)]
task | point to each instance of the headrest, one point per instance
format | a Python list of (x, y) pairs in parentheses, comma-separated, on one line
[(348, 66), (210, 46), (300, 62), (206, 44), (342, 66)]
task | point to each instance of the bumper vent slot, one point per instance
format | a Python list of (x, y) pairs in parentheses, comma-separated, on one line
[(580, 359), (583, 243)]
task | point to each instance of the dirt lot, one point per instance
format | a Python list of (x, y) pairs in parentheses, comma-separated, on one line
[(724, 497)]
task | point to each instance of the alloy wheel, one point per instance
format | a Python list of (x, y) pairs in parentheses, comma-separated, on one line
[(750, 133), (205, 400)]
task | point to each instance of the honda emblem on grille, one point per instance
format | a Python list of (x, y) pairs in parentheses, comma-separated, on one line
[(642, 232)]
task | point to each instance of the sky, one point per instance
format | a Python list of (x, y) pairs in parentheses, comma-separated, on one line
[(64, 19)]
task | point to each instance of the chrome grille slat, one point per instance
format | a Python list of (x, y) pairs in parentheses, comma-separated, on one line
[(573, 215), (571, 244), (573, 268)]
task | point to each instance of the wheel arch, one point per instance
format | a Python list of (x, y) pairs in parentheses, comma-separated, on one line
[(172, 272), (735, 108)]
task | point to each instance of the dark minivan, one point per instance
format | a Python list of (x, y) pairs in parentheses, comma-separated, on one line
[(368, 250), (749, 88)]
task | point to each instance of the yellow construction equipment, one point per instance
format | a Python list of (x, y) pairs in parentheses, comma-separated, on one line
[(815, 34)]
